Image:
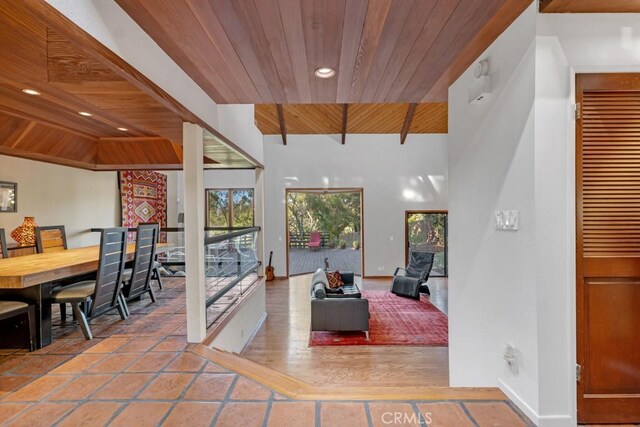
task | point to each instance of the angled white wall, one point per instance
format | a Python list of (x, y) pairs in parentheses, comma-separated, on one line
[(395, 178), (492, 292)]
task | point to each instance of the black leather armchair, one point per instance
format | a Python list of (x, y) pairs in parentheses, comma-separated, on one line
[(413, 279)]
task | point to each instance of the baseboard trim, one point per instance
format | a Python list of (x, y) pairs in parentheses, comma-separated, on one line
[(300, 390), (377, 277), (519, 402), (556, 421)]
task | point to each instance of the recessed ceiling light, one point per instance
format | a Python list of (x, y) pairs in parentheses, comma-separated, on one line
[(84, 113), (123, 129), (325, 72), (31, 92)]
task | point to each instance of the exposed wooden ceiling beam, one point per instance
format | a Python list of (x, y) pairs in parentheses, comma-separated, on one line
[(345, 113), (407, 122), (283, 128)]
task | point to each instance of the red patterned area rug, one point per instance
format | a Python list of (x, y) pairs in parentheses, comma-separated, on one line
[(143, 195), (394, 321)]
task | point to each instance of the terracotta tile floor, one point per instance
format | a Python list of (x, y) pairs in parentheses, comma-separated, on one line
[(140, 372)]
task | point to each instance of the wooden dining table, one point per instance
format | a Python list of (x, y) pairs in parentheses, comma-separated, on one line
[(31, 278)]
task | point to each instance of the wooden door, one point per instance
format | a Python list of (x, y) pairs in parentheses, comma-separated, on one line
[(608, 247)]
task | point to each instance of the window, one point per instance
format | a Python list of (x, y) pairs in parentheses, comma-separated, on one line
[(230, 207)]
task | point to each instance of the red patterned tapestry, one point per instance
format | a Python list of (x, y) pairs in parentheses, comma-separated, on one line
[(143, 195)]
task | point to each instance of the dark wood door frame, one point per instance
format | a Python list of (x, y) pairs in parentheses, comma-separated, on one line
[(359, 190), (407, 213)]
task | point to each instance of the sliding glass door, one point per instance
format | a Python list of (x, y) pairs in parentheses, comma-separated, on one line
[(427, 231)]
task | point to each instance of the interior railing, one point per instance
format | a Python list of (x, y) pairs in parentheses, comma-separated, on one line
[(231, 263)]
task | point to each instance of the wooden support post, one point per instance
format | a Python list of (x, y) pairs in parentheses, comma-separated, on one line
[(193, 146)]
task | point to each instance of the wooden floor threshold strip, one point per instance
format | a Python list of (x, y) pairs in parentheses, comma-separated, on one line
[(296, 389)]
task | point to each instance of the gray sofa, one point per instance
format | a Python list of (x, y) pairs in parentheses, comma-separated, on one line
[(338, 311)]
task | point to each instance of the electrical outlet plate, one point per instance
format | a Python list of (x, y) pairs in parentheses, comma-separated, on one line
[(507, 220)]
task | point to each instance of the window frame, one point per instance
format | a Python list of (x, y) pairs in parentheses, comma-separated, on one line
[(230, 192)]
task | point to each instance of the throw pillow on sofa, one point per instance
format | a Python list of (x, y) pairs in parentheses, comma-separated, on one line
[(335, 279)]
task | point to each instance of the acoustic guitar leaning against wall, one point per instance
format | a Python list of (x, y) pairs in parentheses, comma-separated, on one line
[(269, 270)]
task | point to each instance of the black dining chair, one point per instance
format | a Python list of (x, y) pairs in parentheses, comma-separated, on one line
[(3, 243), (155, 271), (137, 280), (104, 293), (21, 333)]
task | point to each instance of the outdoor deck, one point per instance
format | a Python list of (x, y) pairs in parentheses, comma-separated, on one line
[(303, 260)]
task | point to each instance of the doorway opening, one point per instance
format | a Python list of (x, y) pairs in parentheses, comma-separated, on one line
[(427, 231), (324, 229)]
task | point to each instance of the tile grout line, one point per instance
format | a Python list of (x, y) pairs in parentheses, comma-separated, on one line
[(154, 376), (468, 414), (87, 399), (186, 388), (267, 413), (367, 411), (225, 400), (318, 417)]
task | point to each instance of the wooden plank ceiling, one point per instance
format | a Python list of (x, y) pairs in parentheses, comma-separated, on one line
[(360, 118), (266, 51), (132, 122), (590, 6)]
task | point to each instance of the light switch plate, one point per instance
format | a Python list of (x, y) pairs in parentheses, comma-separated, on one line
[(507, 220)]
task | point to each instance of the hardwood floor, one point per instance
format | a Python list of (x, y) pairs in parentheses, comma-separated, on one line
[(282, 344)]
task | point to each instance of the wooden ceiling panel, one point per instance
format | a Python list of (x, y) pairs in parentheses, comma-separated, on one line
[(312, 118), (41, 49), (463, 24), (376, 118), (266, 119), (114, 153), (31, 138), (430, 118), (65, 63), (590, 6), (22, 42), (361, 118), (392, 51)]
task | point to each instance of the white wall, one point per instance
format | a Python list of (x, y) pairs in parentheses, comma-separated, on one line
[(236, 122), (245, 322), (75, 198), (111, 26), (595, 42), (492, 292), (395, 178), (520, 286), (555, 266)]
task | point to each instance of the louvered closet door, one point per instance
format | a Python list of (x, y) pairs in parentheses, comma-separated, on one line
[(608, 247)]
